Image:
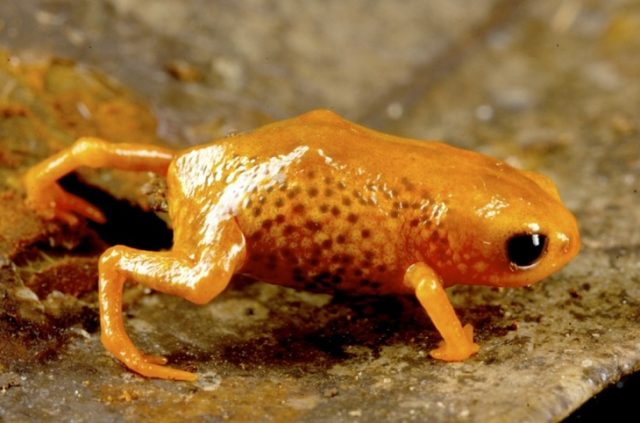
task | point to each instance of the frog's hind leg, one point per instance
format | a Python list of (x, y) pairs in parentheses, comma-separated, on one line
[(198, 279), (46, 196)]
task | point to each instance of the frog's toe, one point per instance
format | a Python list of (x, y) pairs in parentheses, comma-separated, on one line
[(69, 218), (447, 353), (154, 359), (468, 331), (163, 372), (70, 203)]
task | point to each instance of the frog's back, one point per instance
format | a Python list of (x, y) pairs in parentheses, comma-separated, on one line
[(350, 148), (355, 147)]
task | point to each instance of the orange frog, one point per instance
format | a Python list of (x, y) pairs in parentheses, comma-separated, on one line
[(317, 202)]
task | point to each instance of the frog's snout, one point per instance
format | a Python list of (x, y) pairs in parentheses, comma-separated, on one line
[(571, 244), (568, 241), (567, 244)]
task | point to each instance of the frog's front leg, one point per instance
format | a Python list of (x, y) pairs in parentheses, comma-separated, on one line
[(458, 342), (198, 279)]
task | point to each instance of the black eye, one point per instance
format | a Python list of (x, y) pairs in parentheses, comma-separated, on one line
[(524, 250)]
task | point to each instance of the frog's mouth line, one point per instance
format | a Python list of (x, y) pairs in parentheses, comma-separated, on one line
[(127, 224)]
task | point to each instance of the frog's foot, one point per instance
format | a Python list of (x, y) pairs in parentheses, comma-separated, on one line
[(460, 351), (52, 202), (146, 365), (458, 342), (149, 367)]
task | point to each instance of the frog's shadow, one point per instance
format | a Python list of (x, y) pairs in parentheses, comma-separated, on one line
[(344, 325), (346, 328)]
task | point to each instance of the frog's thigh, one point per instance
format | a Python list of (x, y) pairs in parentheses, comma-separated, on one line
[(458, 341), (169, 272)]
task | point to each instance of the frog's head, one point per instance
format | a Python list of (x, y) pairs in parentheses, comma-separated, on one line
[(515, 231)]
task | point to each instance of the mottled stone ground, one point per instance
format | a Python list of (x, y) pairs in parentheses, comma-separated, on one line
[(546, 85)]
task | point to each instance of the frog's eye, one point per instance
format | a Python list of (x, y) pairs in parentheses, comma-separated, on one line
[(524, 250)]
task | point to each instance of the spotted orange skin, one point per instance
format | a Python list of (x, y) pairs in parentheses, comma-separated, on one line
[(317, 202), (325, 204)]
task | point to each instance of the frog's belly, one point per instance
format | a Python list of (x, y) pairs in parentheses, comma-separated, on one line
[(313, 263)]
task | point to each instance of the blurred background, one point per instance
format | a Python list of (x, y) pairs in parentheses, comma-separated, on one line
[(546, 85)]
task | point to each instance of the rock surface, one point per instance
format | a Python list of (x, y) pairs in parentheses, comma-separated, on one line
[(545, 85)]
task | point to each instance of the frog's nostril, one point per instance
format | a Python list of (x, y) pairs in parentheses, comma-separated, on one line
[(568, 244), (574, 245)]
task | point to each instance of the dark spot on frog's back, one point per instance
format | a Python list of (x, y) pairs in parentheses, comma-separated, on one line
[(288, 230), (255, 237), (312, 192), (293, 192), (313, 226)]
